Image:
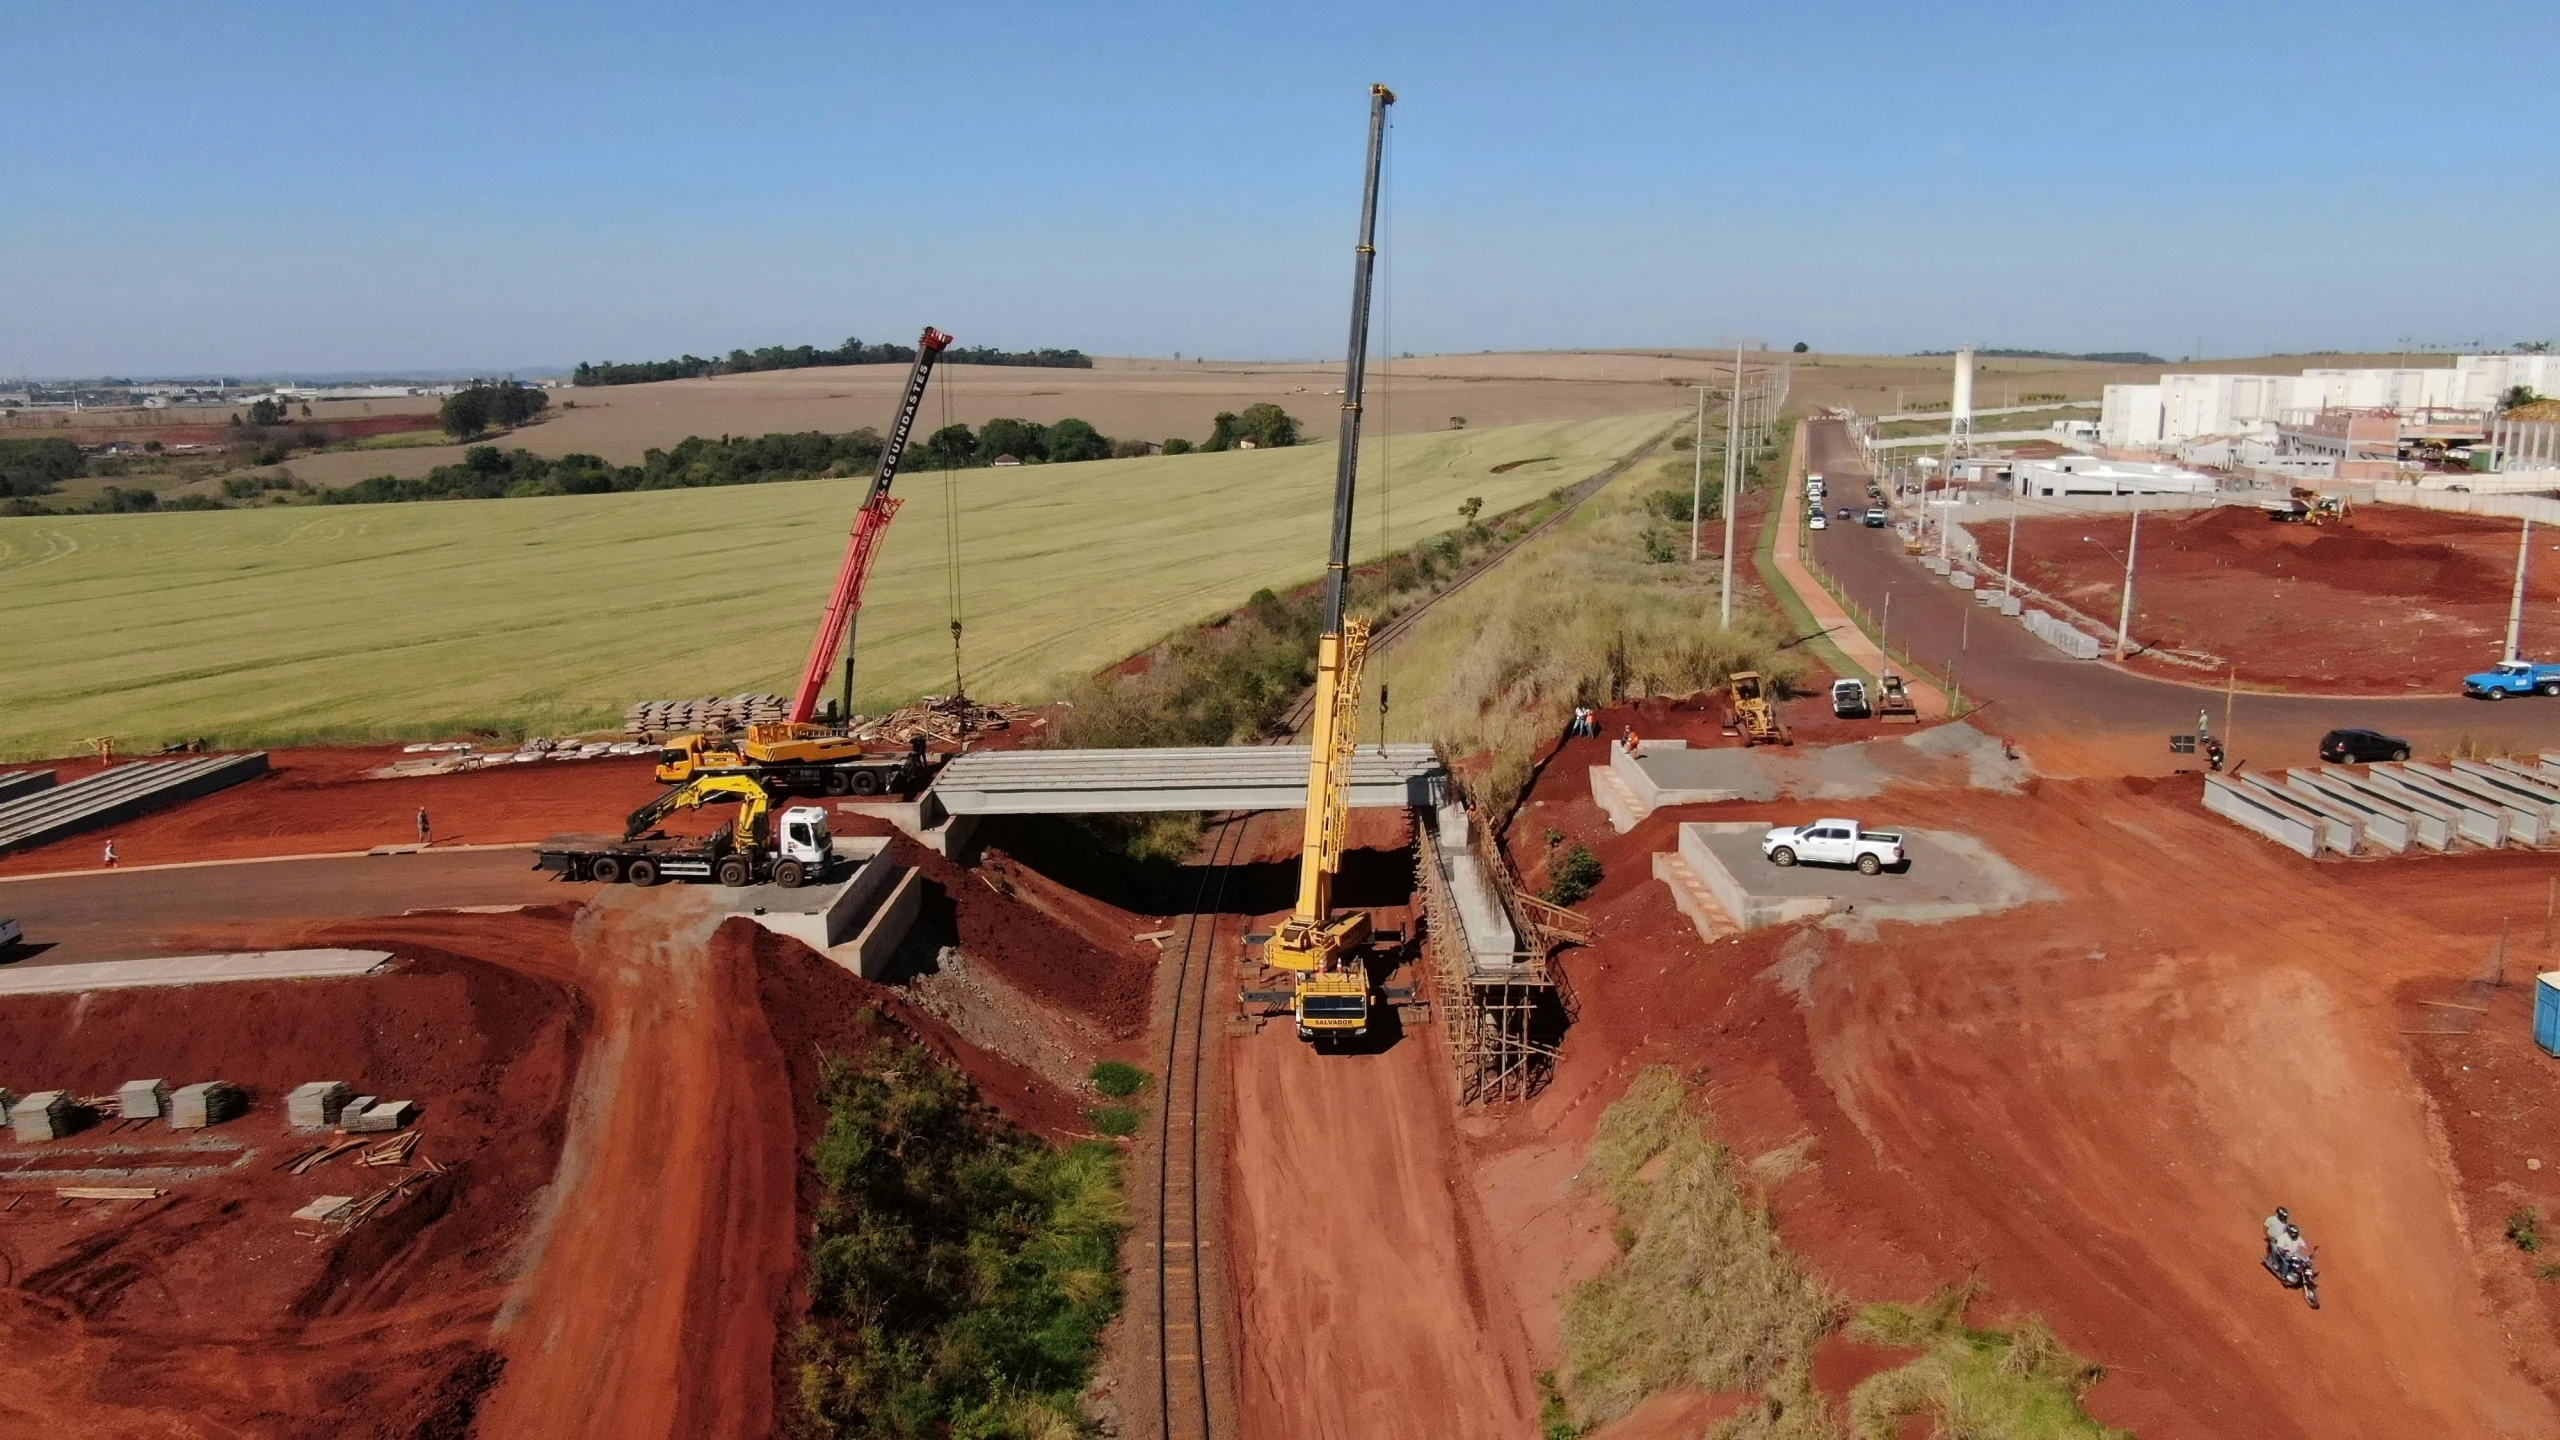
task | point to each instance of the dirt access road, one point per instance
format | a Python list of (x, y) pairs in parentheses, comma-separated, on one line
[(2082, 717)]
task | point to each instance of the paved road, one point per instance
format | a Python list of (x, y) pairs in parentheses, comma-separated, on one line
[(125, 914), (2087, 717)]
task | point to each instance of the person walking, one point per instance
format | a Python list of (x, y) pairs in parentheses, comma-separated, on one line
[(110, 861), (426, 832)]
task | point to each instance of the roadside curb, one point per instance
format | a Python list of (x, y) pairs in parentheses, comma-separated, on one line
[(381, 850)]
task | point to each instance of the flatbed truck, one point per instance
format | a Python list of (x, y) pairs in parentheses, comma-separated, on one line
[(790, 848), (797, 760)]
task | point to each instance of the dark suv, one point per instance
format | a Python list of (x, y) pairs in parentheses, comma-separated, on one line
[(2358, 746)]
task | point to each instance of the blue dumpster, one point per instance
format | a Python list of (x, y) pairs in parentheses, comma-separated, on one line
[(2546, 1012)]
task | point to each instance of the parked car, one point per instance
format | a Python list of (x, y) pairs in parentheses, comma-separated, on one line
[(1816, 522), (2513, 677), (1849, 700), (1833, 842), (11, 937), (1848, 512), (1876, 519), (2358, 746)]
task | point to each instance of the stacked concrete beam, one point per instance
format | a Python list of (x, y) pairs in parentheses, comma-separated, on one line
[(17, 784), (316, 1106), (2243, 808), (2524, 792), (2529, 817), (43, 1115), (2385, 827), (2430, 824), (120, 792), (713, 713), (2509, 825), (204, 1104), (2476, 824), (142, 1099), (2339, 830)]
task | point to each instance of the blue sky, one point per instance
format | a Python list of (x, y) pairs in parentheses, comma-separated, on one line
[(313, 188)]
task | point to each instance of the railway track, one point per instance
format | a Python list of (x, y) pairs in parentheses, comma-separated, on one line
[(1186, 1388), (1303, 709)]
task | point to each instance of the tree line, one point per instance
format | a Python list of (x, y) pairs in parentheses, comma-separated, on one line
[(487, 473), (802, 357)]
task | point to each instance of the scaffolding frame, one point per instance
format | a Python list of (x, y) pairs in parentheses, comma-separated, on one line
[(1491, 1005)]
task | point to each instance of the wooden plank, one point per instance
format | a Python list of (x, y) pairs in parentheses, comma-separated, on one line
[(108, 1192)]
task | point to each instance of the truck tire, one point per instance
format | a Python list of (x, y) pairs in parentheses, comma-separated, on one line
[(735, 872), (1869, 865), (2494, 692), (604, 870), (2400, 754), (866, 782), (789, 875), (835, 784), (642, 871), (1783, 856), (2549, 687)]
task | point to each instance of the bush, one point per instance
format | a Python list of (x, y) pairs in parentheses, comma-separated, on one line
[(35, 467), (1115, 1120), (1574, 875), (1267, 425), (2524, 1228), (194, 502), (1118, 1078), (471, 411), (1177, 446)]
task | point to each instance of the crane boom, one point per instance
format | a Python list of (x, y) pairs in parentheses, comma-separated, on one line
[(835, 629), (1333, 990)]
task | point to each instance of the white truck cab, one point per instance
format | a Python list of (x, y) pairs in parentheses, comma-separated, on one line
[(1833, 842), (801, 834)]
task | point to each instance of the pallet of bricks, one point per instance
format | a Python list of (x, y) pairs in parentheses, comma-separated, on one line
[(712, 714)]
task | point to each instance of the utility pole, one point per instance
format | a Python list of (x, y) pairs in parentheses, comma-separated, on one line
[(2515, 602), (1697, 474), (1732, 484), (2009, 562), (2124, 617)]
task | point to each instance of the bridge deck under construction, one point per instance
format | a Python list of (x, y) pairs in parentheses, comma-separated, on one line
[(1209, 778)]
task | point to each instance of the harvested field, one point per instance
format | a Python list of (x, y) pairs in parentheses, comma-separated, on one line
[(204, 1312), (2391, 601), (2091, 1102), (553, 614)]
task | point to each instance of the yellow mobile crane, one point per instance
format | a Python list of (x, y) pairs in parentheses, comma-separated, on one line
[(1328, 953)]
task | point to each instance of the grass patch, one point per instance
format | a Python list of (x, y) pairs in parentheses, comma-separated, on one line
[(259, 626), (1703, 1292), (962, 1271), (1118, 1078), (2015, 1384), (1583, 615), (2524, 1228), (1115, 1120)]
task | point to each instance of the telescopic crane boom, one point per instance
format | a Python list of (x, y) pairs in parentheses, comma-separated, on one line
[(835, 631), (1328, 952)]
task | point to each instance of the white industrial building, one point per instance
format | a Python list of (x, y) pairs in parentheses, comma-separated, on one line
[(2069, 475), (2185, 407)]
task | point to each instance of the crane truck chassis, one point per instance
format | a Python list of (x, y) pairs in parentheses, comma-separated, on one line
[(797, 760), (790, 849)]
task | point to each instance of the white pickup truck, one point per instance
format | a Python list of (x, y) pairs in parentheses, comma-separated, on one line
[(1833, 842)]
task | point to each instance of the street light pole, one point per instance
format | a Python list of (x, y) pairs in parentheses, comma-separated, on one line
[(2515, 602), (2124, 617), (2009, 562), (1697, 474), (1732, 484)]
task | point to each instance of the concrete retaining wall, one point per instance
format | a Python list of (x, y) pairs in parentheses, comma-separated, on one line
[(867, 954), (1749, 911), (2232, 803), (2069, 639)]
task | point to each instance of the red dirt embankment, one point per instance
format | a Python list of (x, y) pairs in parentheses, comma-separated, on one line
[(316, 800), (1038, 952), (2093, 1102), (2391, 601), (204, 1312)]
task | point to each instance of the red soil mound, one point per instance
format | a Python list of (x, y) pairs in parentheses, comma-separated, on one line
[(204, 1312), (1038, 953)]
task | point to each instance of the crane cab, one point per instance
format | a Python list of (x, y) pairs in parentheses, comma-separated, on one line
[(1332, 1006)]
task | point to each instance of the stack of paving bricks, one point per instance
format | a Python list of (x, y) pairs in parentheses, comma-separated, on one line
[(142, 1099), (711, 713), (206, 1103), (44, 1115), (366, 1115), (318, 1105)]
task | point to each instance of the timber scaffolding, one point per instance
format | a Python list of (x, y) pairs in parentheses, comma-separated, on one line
[(1500, 996)]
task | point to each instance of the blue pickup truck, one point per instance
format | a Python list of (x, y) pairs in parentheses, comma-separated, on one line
[(2513, 677)]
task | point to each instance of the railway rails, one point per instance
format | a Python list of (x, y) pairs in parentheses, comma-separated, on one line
[(1187, 1388)]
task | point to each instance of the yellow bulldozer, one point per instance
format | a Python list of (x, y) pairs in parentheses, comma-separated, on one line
[(1750, 712)]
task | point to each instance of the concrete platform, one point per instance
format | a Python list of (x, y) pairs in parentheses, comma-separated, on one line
[(1669, 772), (1120, 782), (855, 921), (1949, 876), (189, 970)]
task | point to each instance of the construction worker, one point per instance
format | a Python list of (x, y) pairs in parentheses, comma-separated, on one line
[(110, 861), (426, 832), (2213, 754)]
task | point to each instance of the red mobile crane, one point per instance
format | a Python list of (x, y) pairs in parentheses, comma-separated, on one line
[(836, 630)]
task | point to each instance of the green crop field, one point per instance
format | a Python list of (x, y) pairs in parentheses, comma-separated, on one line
[(549, 615)]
